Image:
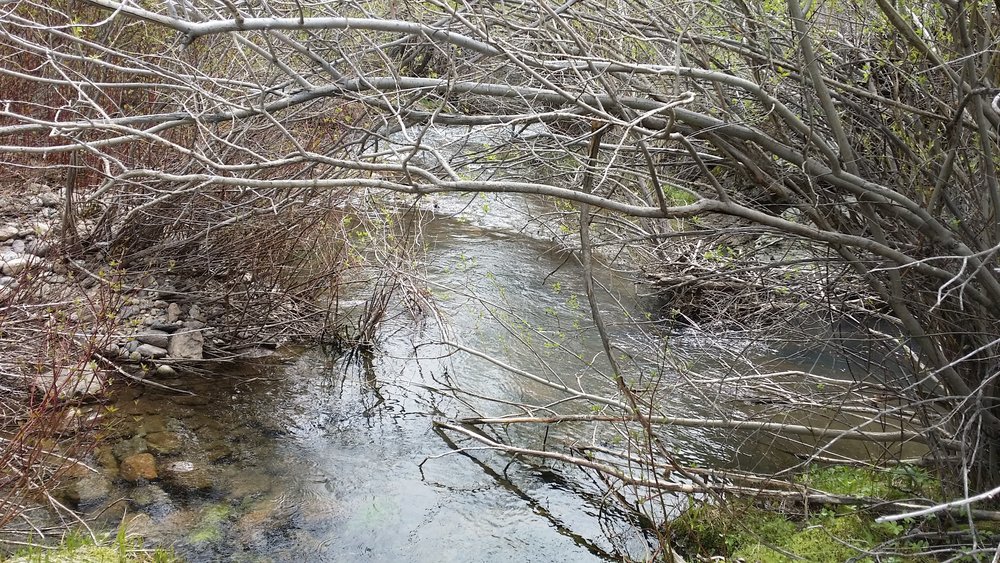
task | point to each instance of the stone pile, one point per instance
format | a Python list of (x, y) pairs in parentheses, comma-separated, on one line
[(162, 331), (155, 328), (23, 241)]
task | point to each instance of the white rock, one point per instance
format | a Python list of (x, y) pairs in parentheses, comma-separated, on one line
[(150, 351), (187, 345), (7, 232), (14, 266), (180, 466), (70, 383)]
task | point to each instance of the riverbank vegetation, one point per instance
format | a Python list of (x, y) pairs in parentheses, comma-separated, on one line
[(79, 547), (817, 178)]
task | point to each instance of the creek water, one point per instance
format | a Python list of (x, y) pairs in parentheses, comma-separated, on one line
[(326, 456), (334, 457)]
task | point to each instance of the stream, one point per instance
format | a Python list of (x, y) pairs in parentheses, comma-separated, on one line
[(327, 456), (332, 457)]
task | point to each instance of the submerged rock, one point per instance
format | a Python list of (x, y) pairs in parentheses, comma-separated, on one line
[(187, 476), (164, 442), (139, 466), (89, 489), (130, 447), (151, 497), (139, 524), (106, 461), (210, 524)]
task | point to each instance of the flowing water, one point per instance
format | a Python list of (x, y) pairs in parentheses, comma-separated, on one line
[(332, 457), (335, 458)]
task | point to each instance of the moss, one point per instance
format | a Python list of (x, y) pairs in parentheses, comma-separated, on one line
[(752, 534), (744, 531), (209, 528), (828, 537), (710, 530)]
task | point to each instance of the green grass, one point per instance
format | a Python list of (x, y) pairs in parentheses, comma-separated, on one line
[(76, 547), (903, 481)]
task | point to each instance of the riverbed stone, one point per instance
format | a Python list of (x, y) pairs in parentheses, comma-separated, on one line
[(217, 451), (247, 486), (49, 199), (7, 232), (139, 466), (164, 442), (154, 337), (128, 448), (89, 489), (151, 497), (187, 345), (139, 524), (261, 517), (150, 351), (38, 248), (191, 400), (163, 370), (106, 461), (152, 423), (187, 476)]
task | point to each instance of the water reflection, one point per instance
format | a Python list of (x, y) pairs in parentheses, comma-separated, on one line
[(328, 457)]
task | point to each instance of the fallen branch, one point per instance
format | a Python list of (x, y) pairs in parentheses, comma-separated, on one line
[(776, 489), (777, 427)]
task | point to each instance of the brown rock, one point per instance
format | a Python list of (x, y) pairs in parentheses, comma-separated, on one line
[(138, 466)]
